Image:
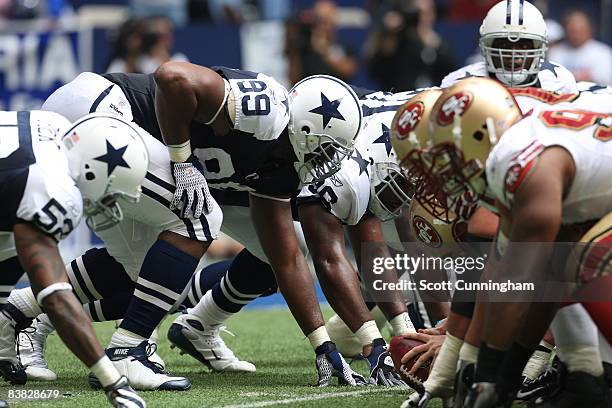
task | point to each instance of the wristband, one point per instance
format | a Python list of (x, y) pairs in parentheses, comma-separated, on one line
[(54, 287), (179, 153)]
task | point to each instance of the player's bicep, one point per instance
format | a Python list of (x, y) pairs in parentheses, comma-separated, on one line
[(537, 205), (187, 92)]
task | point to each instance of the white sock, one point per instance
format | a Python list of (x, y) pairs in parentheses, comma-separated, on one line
[(538, 361), (442, 377), (44, 324), (125, 338), (468, 353), (401, 324), (208, 311), (576, 337), (318, 336), (25, 301), (367, 333), (105, 371)]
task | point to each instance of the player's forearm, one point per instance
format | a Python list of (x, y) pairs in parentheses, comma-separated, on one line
[(73, 326), (274, 225), (324, 235), (296, 285), (39, 255), (340, 285)]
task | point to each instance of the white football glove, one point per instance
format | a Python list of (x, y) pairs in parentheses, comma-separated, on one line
[(192, 193), (121, 395), (330, 363)]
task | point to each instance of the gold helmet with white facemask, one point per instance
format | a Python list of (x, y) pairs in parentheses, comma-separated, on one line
[(466, 122)]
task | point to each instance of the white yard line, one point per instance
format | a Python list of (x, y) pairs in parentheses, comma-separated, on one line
[(316, 397)]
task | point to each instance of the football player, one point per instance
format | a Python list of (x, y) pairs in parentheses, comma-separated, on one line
[(442, 237), (246, 138), (151, 239), (513, 42), (51, 173), (351, 198), (464, 331), (348, 192), (547, 190)]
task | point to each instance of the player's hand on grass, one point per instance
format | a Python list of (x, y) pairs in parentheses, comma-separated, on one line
[(192, 195), (381, 366), (330, 363), (430, 349)]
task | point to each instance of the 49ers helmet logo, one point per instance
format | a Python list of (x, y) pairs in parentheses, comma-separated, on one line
[(409, 119), (425, 232), (456, 103)]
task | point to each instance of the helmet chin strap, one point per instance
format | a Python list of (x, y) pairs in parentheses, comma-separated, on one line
[(512, 79)]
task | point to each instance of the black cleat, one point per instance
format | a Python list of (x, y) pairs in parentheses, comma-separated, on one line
[(546, 384), (579, 390), (12, 372), (463, 383)]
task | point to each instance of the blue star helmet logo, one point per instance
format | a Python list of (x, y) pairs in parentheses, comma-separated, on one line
[(361, 162), (384, 138), (466, 76), (328, 110), (113, 157)]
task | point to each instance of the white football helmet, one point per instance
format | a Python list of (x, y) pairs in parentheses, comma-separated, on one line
[(390, 188), (324, 121), (108, 161), (513, 21)]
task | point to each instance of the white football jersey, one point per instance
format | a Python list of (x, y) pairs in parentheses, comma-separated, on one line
[(585, 98), (261, 106), (584, 129), (552, 77), (35, 180)]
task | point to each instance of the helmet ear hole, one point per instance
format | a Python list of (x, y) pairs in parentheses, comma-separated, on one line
[(306, 129), (90, 176), (478, 135)]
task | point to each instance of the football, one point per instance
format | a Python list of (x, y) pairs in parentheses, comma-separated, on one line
[(398, 347)]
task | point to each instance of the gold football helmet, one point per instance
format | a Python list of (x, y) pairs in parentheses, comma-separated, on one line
[(410, 137), (466, 122), (409, 128), (435, 233)]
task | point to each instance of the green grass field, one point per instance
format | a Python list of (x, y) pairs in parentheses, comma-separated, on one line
[(267, 337)]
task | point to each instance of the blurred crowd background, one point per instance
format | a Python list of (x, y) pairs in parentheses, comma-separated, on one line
[(390, 45), (382, 44)]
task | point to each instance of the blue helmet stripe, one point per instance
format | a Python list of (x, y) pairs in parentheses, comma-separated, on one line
[(508, 12)]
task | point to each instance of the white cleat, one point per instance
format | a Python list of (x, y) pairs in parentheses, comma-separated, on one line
[(204, 343), (143, 374), (31, 350)]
